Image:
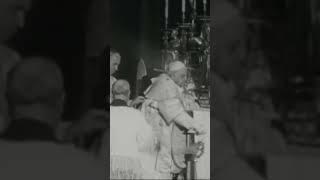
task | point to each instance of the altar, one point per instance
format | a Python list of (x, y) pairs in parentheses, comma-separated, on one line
[(202, 170)]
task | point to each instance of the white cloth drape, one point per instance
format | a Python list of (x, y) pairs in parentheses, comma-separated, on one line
[(130, 141), (203, 163)]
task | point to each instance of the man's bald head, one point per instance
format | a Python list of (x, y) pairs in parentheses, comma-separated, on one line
[(121, 89), (35, 81)]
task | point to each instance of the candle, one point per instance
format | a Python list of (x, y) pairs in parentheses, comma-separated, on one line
[(183, 6), (167, 9), (195, 4), (204, 6)]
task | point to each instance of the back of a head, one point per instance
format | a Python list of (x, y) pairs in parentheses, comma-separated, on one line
[(35, 81), (121, 88)]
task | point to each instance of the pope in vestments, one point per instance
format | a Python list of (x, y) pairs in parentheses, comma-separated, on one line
[(165, 111)]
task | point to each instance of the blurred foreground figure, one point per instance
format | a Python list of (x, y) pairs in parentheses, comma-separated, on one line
[(165, 111), (229, 54), (8, 59), (29, 149), (130, 136), (12, 17)]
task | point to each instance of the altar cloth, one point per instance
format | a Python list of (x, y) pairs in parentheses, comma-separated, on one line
[(203, 163)]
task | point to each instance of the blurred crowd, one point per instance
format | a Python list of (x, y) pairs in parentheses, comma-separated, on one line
[(35, 140), (242, 105)]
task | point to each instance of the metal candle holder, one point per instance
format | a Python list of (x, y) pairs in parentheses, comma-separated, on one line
[(189, 41)]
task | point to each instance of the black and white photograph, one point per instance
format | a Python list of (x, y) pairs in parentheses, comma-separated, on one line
[(198, 89), (160, 89)]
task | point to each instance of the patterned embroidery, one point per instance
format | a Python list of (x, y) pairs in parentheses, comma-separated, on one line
[(122, 167)]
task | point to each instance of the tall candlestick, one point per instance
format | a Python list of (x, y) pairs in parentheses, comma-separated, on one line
[(205, 7), (194, 13), (183, 10), (167, 9), (183, 6), (166, 13)]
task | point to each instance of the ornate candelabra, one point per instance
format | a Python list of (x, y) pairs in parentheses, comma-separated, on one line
[(189, 42)]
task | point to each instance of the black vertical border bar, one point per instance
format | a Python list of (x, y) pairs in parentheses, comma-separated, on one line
[(109, 25), (210, 11)]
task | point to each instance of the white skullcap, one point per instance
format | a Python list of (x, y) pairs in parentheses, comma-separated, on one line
[(175, 66)]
